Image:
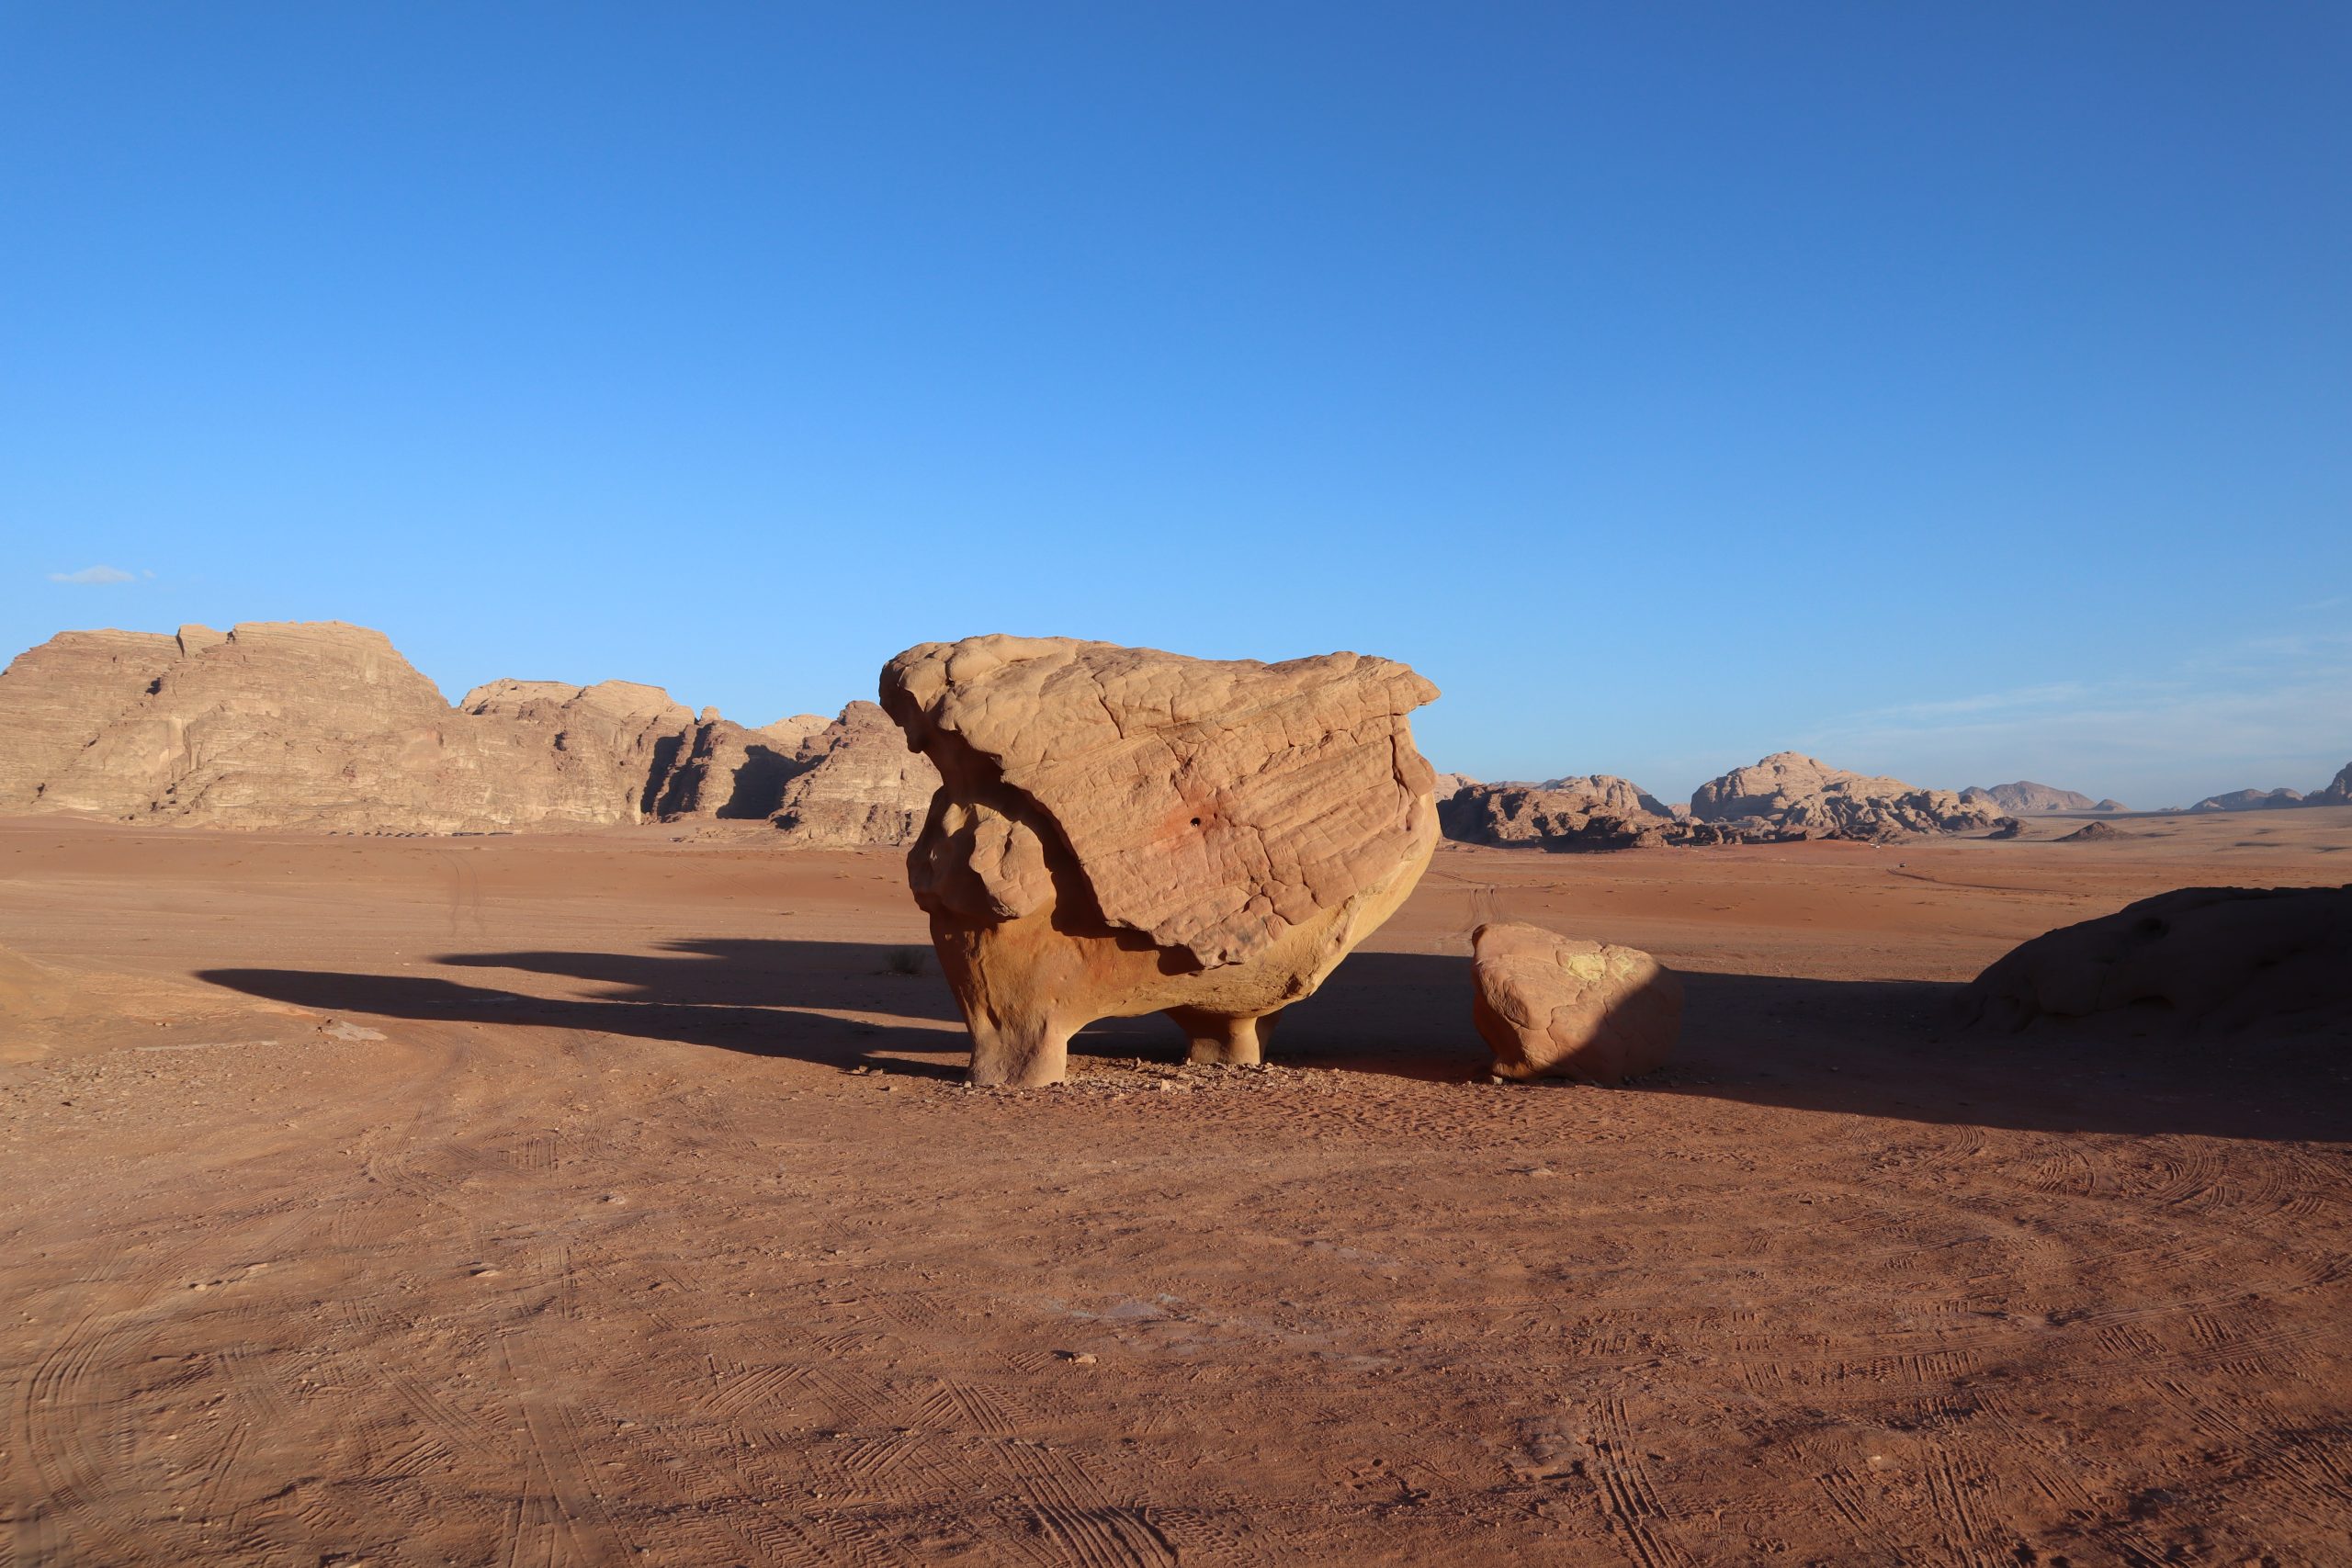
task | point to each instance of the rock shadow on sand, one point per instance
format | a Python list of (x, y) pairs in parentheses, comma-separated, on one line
[(1887, 1049)]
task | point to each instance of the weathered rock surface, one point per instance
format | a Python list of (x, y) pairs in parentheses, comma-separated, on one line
[(726, 773), (324, 726), (2026, 798), (1550, 1006), (789, 735), (1122, 830), (2250, 800), (563, 754), (1612, 786), (1796, 792), (2197, 960), (55, 699), (856, 783)]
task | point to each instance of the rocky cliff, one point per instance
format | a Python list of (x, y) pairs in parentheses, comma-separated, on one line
[(1796, 794), (1597, 812), (323, 726)]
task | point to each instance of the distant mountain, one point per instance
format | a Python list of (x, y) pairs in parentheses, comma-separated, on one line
[(2026, 798), (1794, 792), (323, 727), (2249, 800), (1593, 783)]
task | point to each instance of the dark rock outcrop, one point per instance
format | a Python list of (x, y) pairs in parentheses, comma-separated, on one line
[(2200, 960)]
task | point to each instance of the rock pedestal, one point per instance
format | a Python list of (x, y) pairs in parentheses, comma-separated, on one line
[(1121, 830)]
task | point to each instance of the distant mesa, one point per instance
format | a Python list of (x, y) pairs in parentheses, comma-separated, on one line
[(2250, 800), (1597, 812), (2335, 791), (2026, 798), (1591, 782), (323, 726), (1784, 799), (2214, 962), (1792, 793)]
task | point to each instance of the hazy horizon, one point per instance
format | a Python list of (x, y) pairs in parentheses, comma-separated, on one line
[(1960, 395)]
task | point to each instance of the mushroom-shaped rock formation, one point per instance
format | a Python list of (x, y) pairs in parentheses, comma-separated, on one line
[(1120, 830), (1551, 1006)]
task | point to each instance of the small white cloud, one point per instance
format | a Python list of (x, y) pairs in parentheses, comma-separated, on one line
[(92, 574)]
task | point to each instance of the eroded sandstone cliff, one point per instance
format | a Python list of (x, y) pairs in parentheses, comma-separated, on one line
[(323, 726)]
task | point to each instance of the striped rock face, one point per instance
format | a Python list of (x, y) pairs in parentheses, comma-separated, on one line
[(1121, 830)]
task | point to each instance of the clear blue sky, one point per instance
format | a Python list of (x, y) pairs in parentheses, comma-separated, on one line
[(1958, 392)]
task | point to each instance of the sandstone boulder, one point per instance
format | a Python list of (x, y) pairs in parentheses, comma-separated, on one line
[(2199, 960), (1550, 1006), (1122, 830), (1798, 794)]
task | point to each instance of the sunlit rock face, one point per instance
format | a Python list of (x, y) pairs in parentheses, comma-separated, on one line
[(1798, 794), (1552, 1006), (1121, 830)]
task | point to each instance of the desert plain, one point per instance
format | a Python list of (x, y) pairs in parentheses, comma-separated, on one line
[(613, 1197)]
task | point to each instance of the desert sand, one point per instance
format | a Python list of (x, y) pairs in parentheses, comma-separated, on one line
[(612, 1197)]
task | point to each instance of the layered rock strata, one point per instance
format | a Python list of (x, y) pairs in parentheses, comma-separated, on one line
[(1122, 830), (856, 784)]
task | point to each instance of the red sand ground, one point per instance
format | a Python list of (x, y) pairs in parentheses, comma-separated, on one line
[(524, 1201)]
